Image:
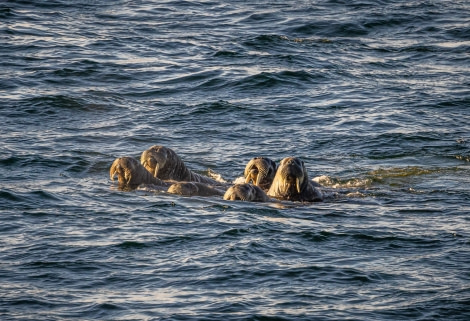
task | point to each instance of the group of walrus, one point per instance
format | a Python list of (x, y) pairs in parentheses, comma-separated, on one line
[(162, 169)]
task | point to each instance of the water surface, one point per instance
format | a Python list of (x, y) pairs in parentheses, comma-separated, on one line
[(373, 96)]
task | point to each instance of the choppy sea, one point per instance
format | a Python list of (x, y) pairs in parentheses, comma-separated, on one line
[(374, 97)]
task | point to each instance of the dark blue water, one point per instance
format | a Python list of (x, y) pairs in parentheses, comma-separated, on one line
[(374, 96)]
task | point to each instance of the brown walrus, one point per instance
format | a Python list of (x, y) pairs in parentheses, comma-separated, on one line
[(291, 182), (260, 171), (194, 189), (165, 164), (246, 192), (130, 173)]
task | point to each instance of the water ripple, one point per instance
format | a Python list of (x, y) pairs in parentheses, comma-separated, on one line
[(373, 97)]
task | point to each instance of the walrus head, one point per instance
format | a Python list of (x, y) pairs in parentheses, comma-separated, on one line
[(291, 179), (160, 161), (245, 192), (130, 173), (261, 171)]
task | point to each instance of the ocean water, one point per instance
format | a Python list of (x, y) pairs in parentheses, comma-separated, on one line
[(374, 96)]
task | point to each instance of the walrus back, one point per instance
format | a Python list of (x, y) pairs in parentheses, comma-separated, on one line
[(245, 192), (175, 168)]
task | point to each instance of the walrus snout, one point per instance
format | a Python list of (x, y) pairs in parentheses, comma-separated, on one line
[(291, 183), (122, 168)]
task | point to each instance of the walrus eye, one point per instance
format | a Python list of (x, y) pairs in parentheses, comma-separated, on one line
[(254, 171)]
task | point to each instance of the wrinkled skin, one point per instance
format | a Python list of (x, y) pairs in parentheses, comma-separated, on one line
[(194, 189), (130, 173), (165, 164), (291, 183), (246, 192), (260, 171)]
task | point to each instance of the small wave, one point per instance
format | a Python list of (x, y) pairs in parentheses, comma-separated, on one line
[(219, 107), (283, 78), (387, 21), (30, 162), (8, 196), (462, 33), (396, 176), (330, 29), (334, 182), (131, 245), (459, 103), (6, 13), (96, 311), (384, 173), (218, 177), (234, 232), (11, 161), (264, 39), (227, 53), (56, 104), (315, 236), (77, 265), (30, 199), (262, 42)]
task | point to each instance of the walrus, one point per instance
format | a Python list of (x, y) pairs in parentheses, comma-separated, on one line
[(130, 173), (245, 192), (165, 164), (291, 182), (260, 171), (194, 189)]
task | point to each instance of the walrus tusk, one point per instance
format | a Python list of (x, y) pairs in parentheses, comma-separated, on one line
[(156, 170), (297, 183), (113, 171), (258, 179), (248, 178)]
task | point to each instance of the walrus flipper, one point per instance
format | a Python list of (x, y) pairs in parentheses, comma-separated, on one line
[(130, 173), (246, 192)]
